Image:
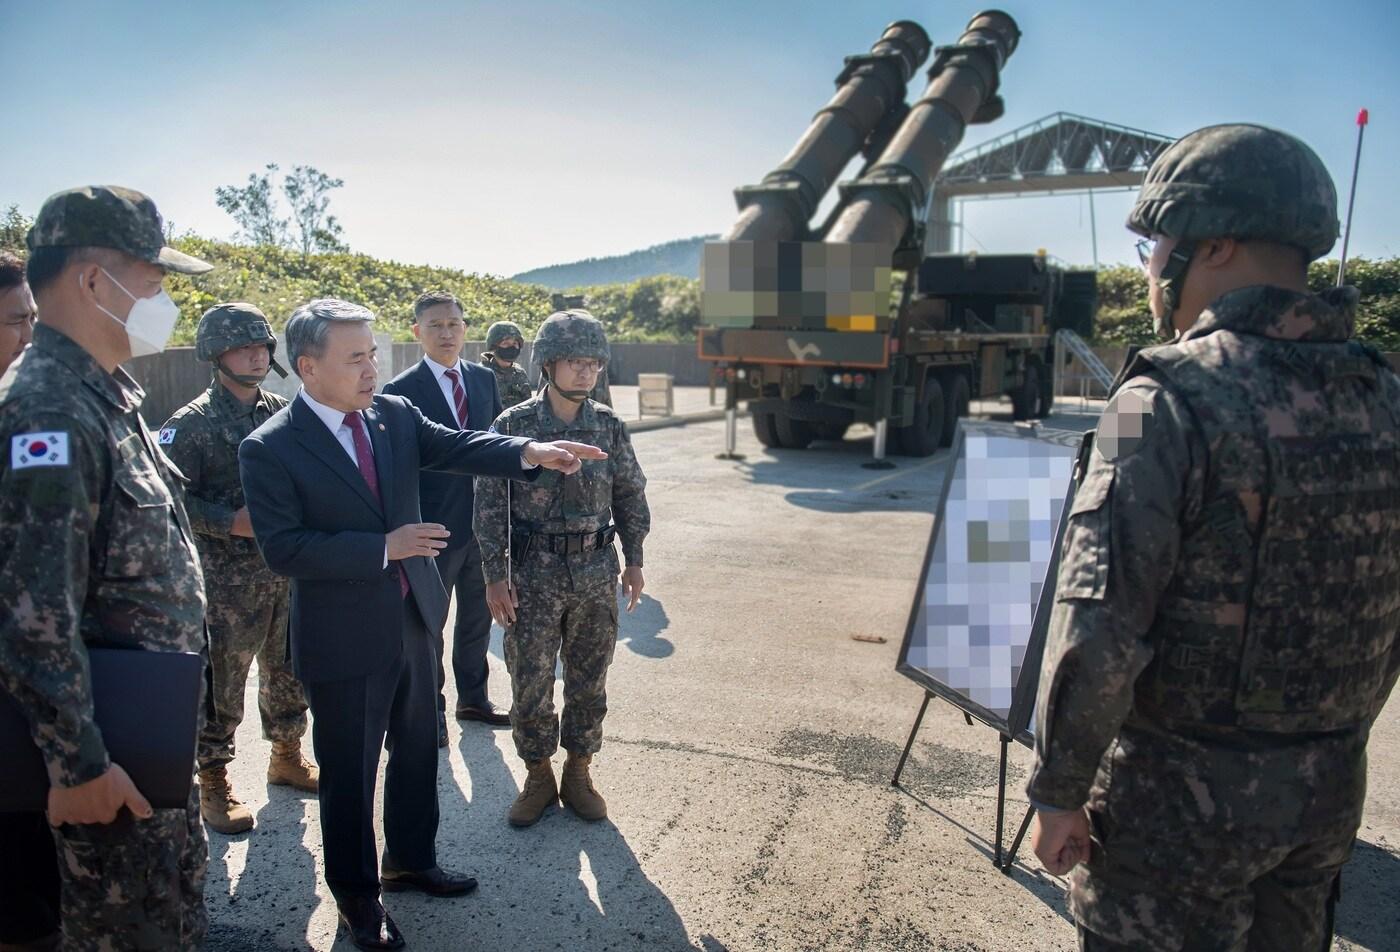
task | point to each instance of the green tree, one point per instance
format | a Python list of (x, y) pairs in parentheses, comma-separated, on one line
[(307, 191), (13, 227), (254, 208)]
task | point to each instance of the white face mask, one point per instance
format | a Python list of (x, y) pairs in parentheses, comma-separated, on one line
[(149, 323)]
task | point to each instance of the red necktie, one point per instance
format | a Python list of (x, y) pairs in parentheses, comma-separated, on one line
[(459, 397), (364, 458)]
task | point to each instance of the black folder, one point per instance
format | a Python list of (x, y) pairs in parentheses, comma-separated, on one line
[(146, 704)]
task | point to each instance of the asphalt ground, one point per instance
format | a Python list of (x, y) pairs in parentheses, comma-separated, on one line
[(747, 760)]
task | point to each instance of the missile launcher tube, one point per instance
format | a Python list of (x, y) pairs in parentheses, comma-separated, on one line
[(870, 86), (880, 206)]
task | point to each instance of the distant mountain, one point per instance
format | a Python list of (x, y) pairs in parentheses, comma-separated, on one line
[(674, 257)]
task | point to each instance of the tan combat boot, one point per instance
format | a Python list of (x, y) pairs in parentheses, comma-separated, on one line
[(576, 789), (219, 807), (539, 793), (288, 768)]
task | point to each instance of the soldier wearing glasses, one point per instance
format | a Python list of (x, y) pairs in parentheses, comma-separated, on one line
[(551, 569)]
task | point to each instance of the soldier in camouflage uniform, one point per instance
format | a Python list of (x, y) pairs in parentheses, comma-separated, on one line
[(247, 603), (1228, 598), (551, 569), (504, 341), (95, 547)]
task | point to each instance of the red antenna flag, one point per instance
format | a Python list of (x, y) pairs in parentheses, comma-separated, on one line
[(1363, 117)]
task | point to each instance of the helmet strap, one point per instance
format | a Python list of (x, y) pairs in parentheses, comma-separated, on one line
[(1170, 282), (246, 380), (573, 396)]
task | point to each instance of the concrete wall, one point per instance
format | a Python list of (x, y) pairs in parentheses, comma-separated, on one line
[(175, 377)]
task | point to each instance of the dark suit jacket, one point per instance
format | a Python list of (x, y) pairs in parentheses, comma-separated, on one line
[(317, 522), (446, 498)]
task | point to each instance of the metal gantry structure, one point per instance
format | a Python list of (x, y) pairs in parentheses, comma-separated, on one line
[(1061, 153)]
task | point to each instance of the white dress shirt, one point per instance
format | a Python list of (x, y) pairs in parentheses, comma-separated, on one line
[(440, 372), (335, 422)]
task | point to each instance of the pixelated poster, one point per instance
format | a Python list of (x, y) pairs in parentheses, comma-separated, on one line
[(981, 608)]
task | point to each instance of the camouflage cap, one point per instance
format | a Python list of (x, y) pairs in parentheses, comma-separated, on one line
[(1239, 181), (501, 330), (109, 216), (571, 333), (226, 326)]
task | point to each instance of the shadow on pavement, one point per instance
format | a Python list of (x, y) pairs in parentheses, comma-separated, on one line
[(561, 883), (641, 630), (830, 477), (276, 895), (1369, 912)]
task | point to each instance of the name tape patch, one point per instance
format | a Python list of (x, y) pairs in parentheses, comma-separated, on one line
[(38, 449)]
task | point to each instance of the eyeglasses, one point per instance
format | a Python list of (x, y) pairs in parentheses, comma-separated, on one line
[(1145, 247), (584, 365)]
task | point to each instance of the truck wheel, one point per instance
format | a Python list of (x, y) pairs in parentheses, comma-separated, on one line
[(921, 437), (1025, 399), (835, 432), (792, 434), (959, 399), (765, 428)]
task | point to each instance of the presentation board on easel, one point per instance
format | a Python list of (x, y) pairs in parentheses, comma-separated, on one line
[(977, 628)]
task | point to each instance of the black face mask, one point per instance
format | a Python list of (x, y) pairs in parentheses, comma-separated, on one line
[(508, 353)]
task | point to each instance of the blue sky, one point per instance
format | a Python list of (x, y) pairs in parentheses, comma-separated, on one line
[(497, 138)]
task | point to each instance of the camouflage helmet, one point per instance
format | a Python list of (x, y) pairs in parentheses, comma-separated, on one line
[(1239, 181), (227, 326), (502, 330), (109, 216), (571, 333)]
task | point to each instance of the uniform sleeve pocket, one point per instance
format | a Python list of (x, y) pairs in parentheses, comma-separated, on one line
[(1084, 557)]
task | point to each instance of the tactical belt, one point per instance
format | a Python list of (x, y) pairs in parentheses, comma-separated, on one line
[(560, 543)]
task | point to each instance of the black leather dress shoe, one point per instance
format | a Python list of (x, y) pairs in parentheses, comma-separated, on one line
[(435, 882), (442, 728), (487, 713), (370, 926)]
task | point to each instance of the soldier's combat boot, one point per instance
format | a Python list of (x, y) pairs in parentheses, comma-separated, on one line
[(288, 768), (576, 789), (221, 810), (539, 793)]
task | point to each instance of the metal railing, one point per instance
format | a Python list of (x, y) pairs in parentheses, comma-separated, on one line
[(1090, 370)]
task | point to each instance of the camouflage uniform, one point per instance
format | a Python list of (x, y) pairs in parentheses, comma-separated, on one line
[(97, 548), (1226, 618), (568, 602), (511, 381), (247, 602)]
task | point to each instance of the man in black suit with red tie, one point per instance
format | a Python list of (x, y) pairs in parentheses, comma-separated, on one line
[(461, 396), (331, 484)]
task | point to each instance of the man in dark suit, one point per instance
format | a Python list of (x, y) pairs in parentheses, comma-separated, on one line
[(331, 485), (460, 396)]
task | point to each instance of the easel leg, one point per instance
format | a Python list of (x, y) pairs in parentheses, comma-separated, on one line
[(910, 744), (1016, 843), (1001, 798)]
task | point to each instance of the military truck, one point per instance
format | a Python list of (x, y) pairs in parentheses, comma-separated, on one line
[(820, 325)]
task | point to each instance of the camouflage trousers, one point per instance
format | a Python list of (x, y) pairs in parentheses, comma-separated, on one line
[(247, 622), (567, 613), (135, 884), (1177, 890)]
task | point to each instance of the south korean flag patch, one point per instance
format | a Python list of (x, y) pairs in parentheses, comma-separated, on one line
[(167, 436), (28, 450)]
